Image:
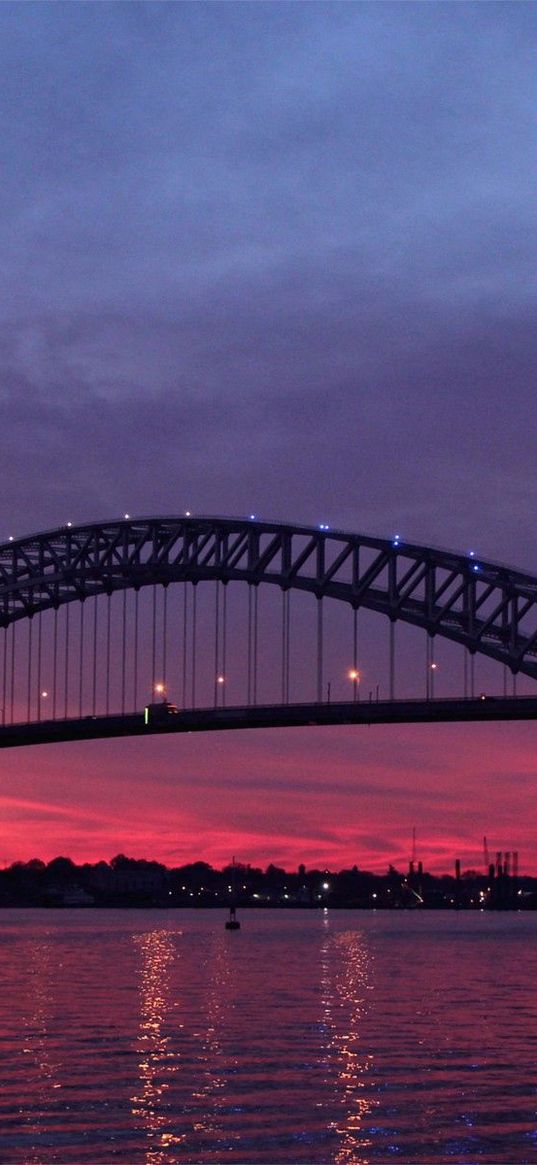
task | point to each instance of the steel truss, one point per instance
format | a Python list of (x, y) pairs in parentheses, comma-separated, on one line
[(488, 608)]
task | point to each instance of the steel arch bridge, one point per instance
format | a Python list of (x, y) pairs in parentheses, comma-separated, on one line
[(485, 608)]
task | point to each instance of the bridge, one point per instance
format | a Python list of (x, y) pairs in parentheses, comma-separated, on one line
[(242, 623)]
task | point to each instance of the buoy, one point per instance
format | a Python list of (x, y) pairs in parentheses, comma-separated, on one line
[(232, 922)]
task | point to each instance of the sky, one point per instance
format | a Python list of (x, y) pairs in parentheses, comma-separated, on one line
[(276, 258)]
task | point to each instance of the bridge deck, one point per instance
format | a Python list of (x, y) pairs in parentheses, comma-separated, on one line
[(273, 716)]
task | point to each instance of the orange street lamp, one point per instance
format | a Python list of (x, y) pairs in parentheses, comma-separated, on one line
[(354, 675)]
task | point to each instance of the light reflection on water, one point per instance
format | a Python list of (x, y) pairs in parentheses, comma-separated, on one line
[(345, 1037), (345, 968), (157, 1059)]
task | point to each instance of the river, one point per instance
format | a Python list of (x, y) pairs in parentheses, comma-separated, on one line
[(155, 1037)]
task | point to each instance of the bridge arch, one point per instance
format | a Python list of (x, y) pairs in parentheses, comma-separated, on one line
[(485, 607)]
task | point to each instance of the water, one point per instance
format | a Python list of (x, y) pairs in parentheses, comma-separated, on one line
[(151, 1038)]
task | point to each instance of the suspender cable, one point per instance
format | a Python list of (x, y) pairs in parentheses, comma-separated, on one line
[(249, 684), (54, 663), (39, 647), (465, 674), (185, 630), (13, 625), (285, 596), (505, 679), (194, 629), (355, 674), (472, 675), (288, 636), (123, 651), (164, 635), (256, 596), (108, 621), (135, 675), (4, 678), (94, 686), (319, 650), (216, 638), (154, 647), (29, 691), (224, 642), (514, 683), (392, 659), (66, 674), (428, 668), (81, 660)]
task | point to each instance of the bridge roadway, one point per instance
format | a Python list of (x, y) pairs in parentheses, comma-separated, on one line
[(431, 711)]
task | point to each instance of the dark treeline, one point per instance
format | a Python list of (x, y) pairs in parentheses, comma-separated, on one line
[(131, 882)]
